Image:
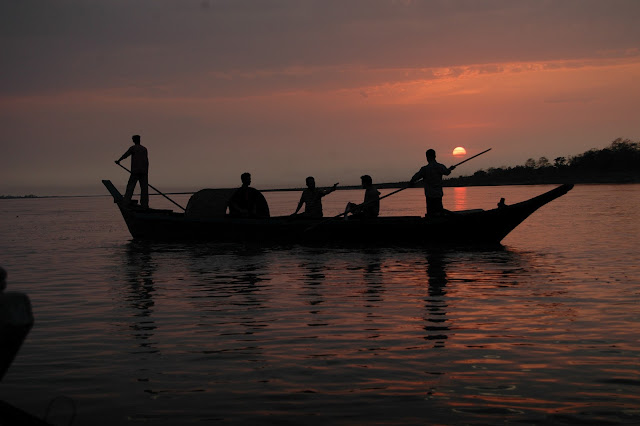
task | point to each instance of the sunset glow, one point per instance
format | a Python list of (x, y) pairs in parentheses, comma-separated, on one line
[(344, 105)]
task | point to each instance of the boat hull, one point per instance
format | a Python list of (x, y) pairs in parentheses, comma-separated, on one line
[(476, 227)]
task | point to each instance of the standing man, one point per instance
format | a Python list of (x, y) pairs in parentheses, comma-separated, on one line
[(312, 199), (139, 171), (431, 175)]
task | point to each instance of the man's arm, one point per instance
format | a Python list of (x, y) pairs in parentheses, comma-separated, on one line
[(299, 204), (328, 191), (416, 177), (125, 155)]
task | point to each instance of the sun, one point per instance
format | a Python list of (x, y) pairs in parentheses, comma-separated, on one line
[(459, 151)]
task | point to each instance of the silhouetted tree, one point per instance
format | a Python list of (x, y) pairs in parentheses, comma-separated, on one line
[(543, 162), (619, 162), (559, 162)]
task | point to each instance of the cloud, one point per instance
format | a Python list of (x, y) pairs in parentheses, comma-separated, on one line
[(293, 82), (105, 44)]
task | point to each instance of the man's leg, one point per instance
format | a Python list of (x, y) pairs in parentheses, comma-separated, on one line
[(131, 184), (434, 206), (144, 190), (439, 206)]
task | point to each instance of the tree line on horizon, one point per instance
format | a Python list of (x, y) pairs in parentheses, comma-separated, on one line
[(617, 163), (18, 196)]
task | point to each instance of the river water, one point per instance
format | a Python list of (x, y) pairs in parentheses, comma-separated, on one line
[(544, 330)]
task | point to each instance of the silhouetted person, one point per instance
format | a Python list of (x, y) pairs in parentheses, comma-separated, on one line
[(371, 204), (16, 319), (247, 201), (139, 171), (431, 175), (3, 279), (312, 199)]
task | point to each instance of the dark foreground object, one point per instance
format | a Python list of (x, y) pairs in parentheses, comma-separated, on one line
[(12, 416), (16, 320), (469, 227)]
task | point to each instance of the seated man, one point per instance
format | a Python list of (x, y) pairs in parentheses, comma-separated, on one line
[(247, 201), (371, 205), (312, 199)]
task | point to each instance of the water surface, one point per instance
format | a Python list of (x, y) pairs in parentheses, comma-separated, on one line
[(540, 331)]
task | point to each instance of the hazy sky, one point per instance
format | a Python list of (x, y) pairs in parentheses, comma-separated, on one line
[(290, 88)]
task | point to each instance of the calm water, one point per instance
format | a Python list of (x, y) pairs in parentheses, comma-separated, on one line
[(542, 331)]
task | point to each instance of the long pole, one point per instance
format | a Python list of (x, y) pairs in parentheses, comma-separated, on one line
[(155, 189), (471, 158)]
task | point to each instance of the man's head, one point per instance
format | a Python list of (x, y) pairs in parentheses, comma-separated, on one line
[(246, 178), (366, 180), (311, 182), (136, 139), (431, 155)]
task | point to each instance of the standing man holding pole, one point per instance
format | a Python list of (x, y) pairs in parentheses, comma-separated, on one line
[(139, 171), (431, 175)]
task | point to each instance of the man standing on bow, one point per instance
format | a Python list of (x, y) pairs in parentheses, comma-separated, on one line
[(139, 171)]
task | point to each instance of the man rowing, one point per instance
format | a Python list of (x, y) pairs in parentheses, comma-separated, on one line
[(431, 176)]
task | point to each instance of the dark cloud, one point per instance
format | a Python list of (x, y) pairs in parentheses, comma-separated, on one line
[(82, 45), (295, 81)]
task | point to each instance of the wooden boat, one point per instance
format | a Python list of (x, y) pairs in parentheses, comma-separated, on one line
[(470, 227)]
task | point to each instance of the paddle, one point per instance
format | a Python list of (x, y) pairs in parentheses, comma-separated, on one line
[(388, 195), (155, 189)]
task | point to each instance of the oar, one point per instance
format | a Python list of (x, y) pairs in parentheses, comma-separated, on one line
[(155, 189), (388, 195)]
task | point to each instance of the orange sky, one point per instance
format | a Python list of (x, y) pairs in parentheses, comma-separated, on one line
[(296, 88)]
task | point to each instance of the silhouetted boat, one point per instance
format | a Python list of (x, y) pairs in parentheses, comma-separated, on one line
[(469, 227)]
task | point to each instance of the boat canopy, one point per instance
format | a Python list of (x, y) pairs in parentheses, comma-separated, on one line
[(208, 203)]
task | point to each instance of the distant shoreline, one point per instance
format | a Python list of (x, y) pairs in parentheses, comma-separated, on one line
[(617, 164), (31, 196), (390, 185)]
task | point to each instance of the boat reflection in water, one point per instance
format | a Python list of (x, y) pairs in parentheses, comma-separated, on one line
[(140, 269), (538, 331), (305, 325), (436, 304)]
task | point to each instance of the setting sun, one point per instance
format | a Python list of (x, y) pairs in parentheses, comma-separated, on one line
[(459, 151)]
